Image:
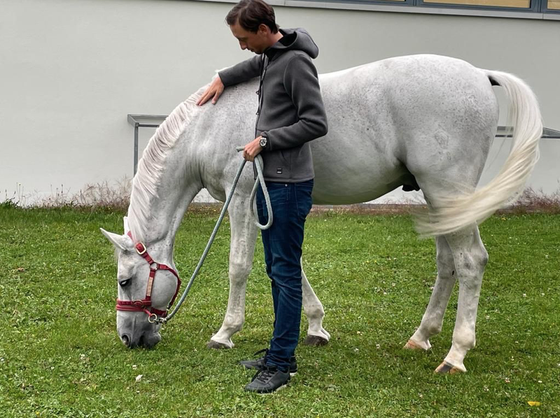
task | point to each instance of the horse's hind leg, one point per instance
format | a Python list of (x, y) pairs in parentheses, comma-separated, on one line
[(460, 256), (433, 317), (470, 259), (313, 308)]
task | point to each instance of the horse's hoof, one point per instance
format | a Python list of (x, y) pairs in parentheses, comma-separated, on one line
[(411, 345), (215, 345), (446, 368), (315, 341)]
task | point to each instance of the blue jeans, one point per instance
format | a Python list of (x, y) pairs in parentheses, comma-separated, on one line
[(291, 203)]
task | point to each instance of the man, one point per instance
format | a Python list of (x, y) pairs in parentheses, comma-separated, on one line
[(290, 114)]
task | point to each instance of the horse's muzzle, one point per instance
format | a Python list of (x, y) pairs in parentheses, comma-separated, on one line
[(144, 340)]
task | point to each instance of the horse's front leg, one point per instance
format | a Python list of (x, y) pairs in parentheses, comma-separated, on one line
[(242, 249), (313, 308)]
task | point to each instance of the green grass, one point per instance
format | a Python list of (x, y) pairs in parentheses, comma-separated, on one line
[(60, 355)]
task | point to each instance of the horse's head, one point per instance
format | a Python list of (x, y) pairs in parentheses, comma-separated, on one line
[(145, 289)]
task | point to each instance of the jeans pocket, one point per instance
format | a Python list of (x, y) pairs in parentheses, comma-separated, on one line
[(304, 191)]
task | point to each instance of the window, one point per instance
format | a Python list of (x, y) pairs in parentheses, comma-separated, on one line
[(522, 4)]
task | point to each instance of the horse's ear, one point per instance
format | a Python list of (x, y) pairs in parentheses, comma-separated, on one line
[(126, 228), (122, 242)]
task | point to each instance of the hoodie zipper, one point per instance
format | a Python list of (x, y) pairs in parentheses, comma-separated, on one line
[(260, 91)]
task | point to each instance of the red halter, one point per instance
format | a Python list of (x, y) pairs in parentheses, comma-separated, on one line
[(145, 305)]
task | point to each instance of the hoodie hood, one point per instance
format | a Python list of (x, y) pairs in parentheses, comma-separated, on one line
[(294, 39)]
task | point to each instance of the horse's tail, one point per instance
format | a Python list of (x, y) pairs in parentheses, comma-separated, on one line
[(456, 212)]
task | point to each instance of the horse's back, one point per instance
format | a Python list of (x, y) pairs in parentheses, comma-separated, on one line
[(394, 119)]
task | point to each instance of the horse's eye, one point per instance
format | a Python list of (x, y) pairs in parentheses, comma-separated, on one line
[(124, 283)]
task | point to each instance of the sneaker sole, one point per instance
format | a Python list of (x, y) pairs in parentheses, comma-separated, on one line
[(273, 392)]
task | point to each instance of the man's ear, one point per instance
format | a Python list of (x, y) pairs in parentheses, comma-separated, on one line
[(121, 242), (264, 29)]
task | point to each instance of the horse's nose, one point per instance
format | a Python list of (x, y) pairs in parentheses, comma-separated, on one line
[(126, 340)]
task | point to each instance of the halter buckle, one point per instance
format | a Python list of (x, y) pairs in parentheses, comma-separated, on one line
[(152, 318), (141, 249)]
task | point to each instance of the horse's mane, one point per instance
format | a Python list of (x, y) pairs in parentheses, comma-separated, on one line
[(152, 163)]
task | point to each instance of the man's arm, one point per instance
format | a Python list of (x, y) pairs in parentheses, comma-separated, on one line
[(302, 84), (244, 71)]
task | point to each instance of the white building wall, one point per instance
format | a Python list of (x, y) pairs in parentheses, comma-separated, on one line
[(71, 70)]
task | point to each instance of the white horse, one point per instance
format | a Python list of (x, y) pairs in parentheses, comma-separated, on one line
[(419, 121)]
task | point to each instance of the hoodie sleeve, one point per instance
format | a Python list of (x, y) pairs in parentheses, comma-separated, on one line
[(244, 71), (302, 84)]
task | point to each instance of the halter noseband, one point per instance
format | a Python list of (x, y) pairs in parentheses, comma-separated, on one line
[(145, 305)]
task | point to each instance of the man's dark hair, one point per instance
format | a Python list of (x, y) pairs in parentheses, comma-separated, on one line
[(252, 13)]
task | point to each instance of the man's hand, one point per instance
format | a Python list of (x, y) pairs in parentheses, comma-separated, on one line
[(252, 149), (214, 91)]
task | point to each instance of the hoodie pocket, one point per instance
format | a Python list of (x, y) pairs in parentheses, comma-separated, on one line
[(285, 157)]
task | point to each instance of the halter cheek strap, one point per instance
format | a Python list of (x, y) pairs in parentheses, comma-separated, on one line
[(145, 305)]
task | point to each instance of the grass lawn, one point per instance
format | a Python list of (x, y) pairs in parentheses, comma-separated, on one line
[(60, 355)]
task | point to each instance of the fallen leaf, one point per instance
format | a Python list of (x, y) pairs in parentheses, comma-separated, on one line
[(534, 403)]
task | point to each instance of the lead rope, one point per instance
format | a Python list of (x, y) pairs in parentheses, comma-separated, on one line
[(260, 180)]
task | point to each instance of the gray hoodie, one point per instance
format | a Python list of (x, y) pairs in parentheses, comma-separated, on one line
[(291, 111)]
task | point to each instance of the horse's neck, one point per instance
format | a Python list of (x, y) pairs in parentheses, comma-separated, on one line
[(155, 220)]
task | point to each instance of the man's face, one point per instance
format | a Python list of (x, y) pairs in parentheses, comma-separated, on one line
[(254, 42)]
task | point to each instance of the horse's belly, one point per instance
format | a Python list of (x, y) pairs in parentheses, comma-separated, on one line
[(345, 177), (336, 190)]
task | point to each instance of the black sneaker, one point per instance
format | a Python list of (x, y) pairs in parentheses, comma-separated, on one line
[(267, 380), (259, 363)]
